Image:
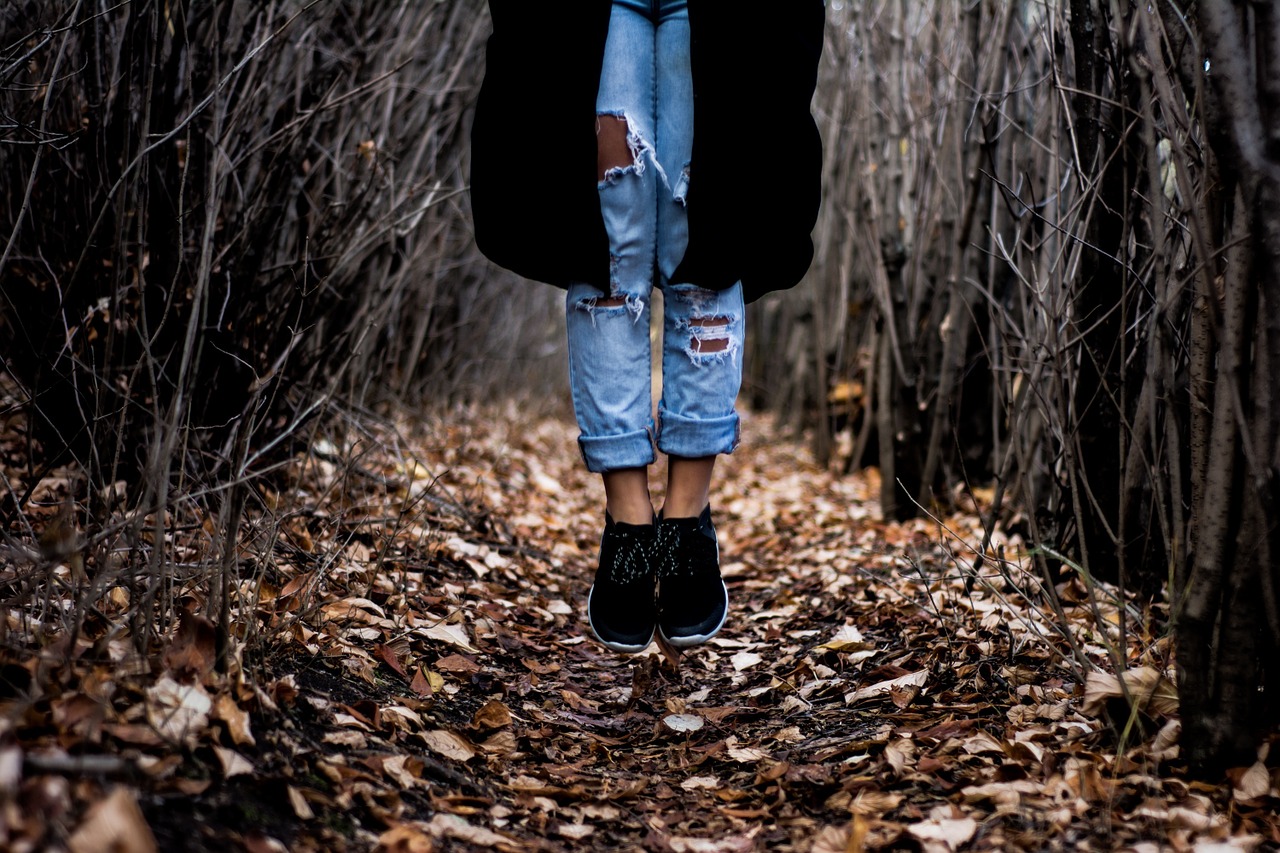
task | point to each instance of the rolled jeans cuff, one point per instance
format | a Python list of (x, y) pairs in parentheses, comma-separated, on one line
[(613, 452), (697, 437)]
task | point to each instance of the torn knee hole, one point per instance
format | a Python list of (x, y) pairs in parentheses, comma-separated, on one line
[(614, 148), (630, 304), (710, 334), (713, 345)]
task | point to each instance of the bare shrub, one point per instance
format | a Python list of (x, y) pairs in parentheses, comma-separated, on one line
[(1042, 263), (221, 221)]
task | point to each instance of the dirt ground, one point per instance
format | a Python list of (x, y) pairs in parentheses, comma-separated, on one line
[(414, 673)]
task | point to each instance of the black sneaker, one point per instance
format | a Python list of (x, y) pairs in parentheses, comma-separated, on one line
[(693, 601), (620, 606)]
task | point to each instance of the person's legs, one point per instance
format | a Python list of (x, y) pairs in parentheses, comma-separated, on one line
[(609, 333), (609, 358), (702, 352), (701, 368), (702, 373)]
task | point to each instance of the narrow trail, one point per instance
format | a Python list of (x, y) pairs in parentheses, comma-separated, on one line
[(869, 690), (416, 674)]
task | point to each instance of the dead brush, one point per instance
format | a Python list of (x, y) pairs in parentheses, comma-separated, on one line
[(225, 226)]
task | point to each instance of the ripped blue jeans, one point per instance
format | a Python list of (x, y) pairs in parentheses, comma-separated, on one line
[(646, 82)]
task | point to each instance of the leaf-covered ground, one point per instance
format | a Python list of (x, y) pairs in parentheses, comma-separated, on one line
[(416, 674)]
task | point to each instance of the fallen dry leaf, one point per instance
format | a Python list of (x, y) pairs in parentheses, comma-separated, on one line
[(943, 834), (693, 783), (492, 715), (193, 653), (1253, 784), (683, 722), (899, 753), (883, 688), (298, 802), (233, 763), (178, 712), (455, 827), (744, 754), (1147, 688), (575, 831), (404, 839), (391, 658), (235, 718), (114, 824), (745, 843), (449, 745), (454, 635)]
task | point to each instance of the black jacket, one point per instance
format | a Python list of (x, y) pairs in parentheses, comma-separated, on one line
[(757, 157)]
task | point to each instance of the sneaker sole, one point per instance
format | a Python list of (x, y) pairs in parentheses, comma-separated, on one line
[(622, 648), (687, 640)]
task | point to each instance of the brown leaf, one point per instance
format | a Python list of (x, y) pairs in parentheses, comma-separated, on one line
[(840, 839), (233, 763), (458, 664), (404, 770), (178, 712), (899, 754), (1253, 784), (883, 688), (941, 834), (78, 714), (454, 635), (874, 803), (693, 783), (745, 843), (1147, 688), (684, 723), (402, 718), (500, 743), (421, 683), (492, 715), (115, 824), (449, 745), (1165, 746), (744, 754), (982, 742), (578, 703), (295, 585), (388, 656), (848, 638), (539, 667), (347, 739), (575, 831), (235, 718), (299, 804), (453, 826), (903, 696), (193, 652), (404, 839)]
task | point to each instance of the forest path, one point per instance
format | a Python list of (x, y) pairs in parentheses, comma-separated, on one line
[(438, 689)]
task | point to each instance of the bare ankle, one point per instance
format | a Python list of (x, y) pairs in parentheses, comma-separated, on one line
[(627, 496), (630, 515), (683, 509)]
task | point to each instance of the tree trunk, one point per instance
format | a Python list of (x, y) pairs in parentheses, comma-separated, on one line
[(1228, 629)]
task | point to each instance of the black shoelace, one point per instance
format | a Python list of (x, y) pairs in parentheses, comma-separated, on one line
[(683, 551), (630, 558)]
